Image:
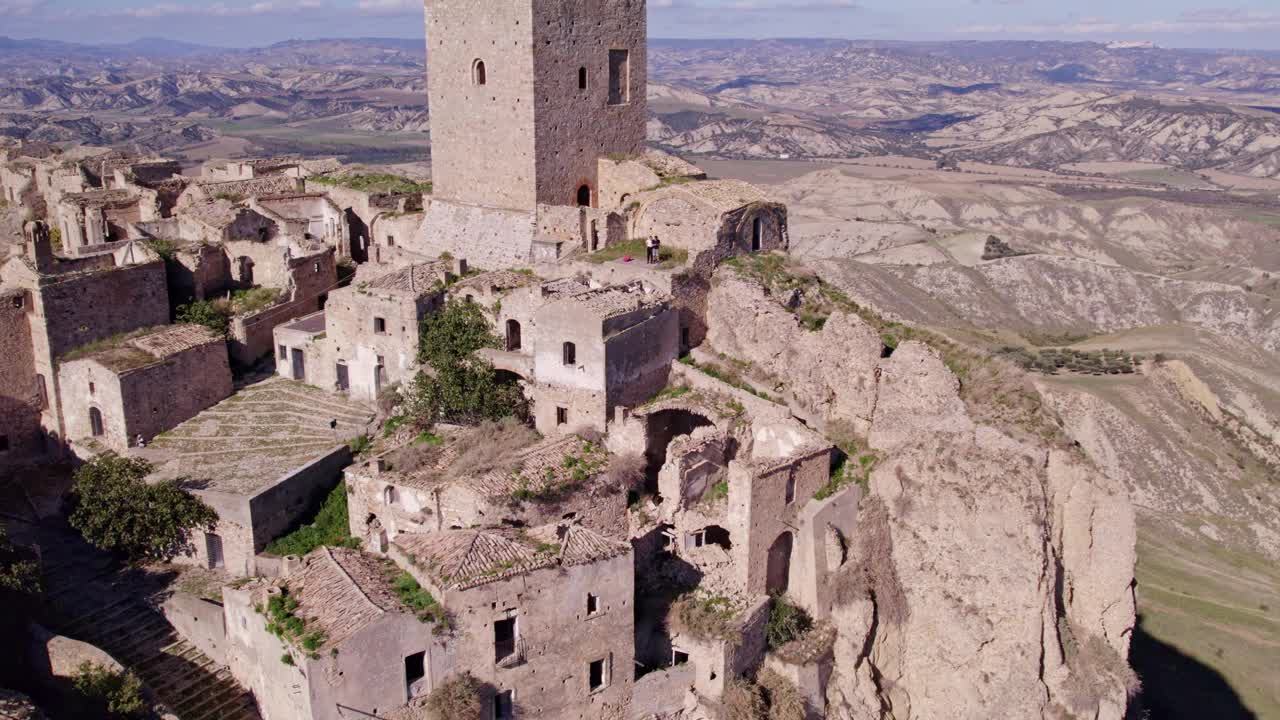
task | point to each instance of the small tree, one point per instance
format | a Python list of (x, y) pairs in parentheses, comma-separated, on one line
[(460, 388), (119, 693), (116, 510)]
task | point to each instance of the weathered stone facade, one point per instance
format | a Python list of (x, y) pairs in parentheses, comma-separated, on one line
[(143, 386)]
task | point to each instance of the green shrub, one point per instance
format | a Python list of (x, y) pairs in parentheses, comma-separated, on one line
[(210, 313), (705, 616), (290, 627), (787, 622), (116, 510), (328, 526), (359, 444), (118, 693), (378, 183)]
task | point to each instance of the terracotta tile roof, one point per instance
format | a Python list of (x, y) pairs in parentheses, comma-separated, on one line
[(464, 559), (342, 591), (422, 279), (148, 346), (607, 302), (101, 198), (542, 468), (496, 281), (216, 213), (561, 288)]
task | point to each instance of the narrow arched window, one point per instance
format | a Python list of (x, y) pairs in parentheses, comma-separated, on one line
[(582, 78), (584, 196), (478, 75)]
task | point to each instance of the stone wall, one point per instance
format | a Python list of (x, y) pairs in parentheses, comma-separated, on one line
[(253, 658), (560, 638), (482, 136), (199, 621), (621, 181), (278, 508), (575, 127), (19, 386), (85, 386), (759, 494), (638, 358), (162, 396), (488, 238), (85, 307)]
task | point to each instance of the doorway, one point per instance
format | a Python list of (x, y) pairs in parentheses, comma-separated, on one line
[(299, 364), (584, 196), (513, 336), (778, 576)]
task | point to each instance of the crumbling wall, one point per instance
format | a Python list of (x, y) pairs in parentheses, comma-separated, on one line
[(82, 308), (486, 237), (276, 509), (162, 396)]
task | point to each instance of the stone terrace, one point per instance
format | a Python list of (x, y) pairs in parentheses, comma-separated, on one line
[(252, 438)]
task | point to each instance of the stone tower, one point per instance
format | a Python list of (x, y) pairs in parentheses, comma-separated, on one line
[(526, 95)]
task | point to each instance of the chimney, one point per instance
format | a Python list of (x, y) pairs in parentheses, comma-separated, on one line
[(39, 246)]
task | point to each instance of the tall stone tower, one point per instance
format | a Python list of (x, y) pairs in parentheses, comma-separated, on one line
[(526, 95)]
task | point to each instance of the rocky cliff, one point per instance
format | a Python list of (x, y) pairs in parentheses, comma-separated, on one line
[(993, 576)]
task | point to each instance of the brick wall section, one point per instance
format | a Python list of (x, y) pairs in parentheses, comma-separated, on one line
[(82, 308)]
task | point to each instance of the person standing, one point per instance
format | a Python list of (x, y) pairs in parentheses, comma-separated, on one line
[(648, 249), (657, 250)]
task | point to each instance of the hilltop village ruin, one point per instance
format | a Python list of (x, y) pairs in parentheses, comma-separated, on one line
[(627, 554)]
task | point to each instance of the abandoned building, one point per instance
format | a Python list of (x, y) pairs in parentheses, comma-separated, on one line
[(115, 394), (100, 219), (367, 337), (56, 305), (386, 499)]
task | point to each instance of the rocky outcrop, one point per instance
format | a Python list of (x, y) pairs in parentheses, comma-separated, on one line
[(830, 373), (990, 576)]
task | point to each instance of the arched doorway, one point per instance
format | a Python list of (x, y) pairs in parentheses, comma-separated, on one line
[(96, 426), (778, 575), (584, 196), (757, 234), (478, 74), (513, 336)]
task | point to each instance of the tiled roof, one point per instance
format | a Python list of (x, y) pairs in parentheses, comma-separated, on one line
[(541, 467), (101, 198), (607, 302), (216, 213), (342, 591), (497, 281), (147, 347), (463, 559), (421, 278)]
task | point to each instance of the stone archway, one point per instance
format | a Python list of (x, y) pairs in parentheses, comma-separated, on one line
[(778, 572)]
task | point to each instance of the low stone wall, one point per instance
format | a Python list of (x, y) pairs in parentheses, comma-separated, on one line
[(277, 508), (662, 692), (200, 621), (757, 407)]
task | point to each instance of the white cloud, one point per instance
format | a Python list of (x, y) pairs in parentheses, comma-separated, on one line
[(1196, 21), (219, 9), (755, 5), (19, 8), (390, 7)]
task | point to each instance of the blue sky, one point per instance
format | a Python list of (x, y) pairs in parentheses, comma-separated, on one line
[(1173, 23)]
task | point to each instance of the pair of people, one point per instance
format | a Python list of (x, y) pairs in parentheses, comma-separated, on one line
[(653, 247)]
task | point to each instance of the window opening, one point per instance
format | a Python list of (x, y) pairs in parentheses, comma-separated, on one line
[(504, 705), (593, 604), (562, 416), (415, 668), (380, 326), (582, 78), (504, 639), (570, 354), (619, 77), (584, 196), (478, 74), (597, 675)]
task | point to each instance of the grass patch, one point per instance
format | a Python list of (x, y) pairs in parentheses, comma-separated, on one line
[(670, 392), (719, 491), (1051, 361), (427, 437), (728, 376), (329, 526), (359, 444), (850, 471), (574, 470), (393, 424), (254, 299), (668, 256), (166, 249), (787, 622), (377, 183), (423, 604), (107, 343)]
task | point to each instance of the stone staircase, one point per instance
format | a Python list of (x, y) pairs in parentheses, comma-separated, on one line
[(107, 607)]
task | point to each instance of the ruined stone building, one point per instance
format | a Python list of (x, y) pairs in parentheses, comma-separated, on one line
[(55, 306), (367, 337), (99, 220), (141, 385)]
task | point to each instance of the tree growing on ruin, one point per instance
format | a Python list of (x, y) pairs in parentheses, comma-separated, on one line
[(460, 387), (207, 313), (456, 699), (116, 510)]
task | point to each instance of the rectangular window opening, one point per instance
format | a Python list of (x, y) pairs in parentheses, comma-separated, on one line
[(597, 675), (679, 657), (562, 416), (619, 77), (380, 326), (791, 489), (504, 639), (4, 443), (284, 353), (415, 668), (391, 241), (593, 604)]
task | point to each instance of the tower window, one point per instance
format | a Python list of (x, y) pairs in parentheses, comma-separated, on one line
[(478, 74), (619, 77), (582, 78), (597, 675)]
